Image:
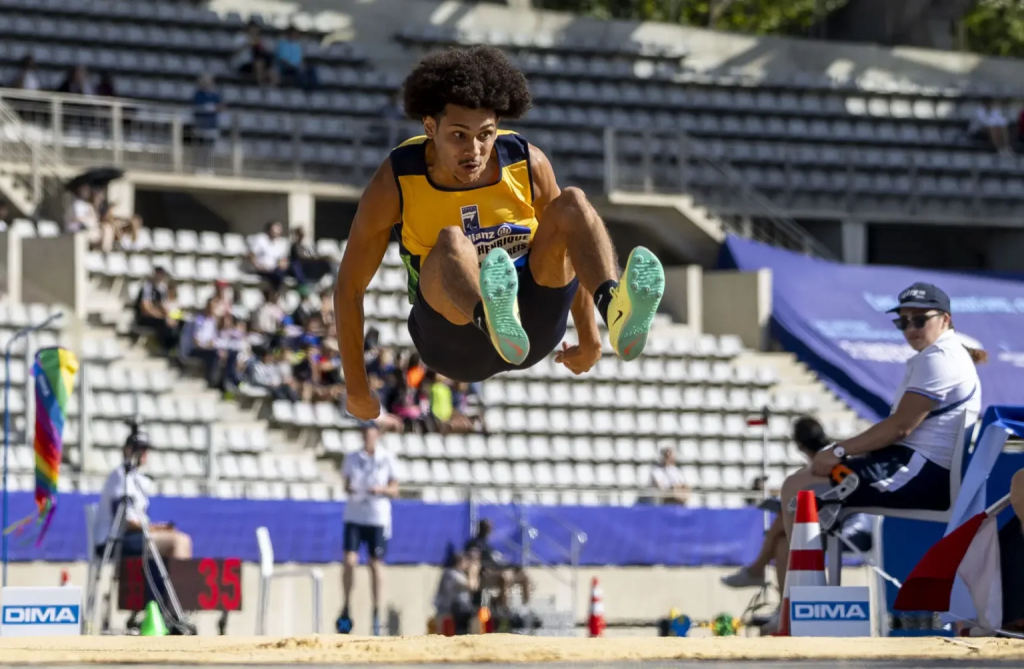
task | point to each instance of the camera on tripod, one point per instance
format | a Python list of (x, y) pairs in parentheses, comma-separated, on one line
[(135, 444)]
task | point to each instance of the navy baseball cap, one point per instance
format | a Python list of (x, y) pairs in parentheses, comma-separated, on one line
[(923, 296)]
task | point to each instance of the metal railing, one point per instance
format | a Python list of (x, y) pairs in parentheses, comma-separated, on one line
[(647, 161), (22, 142), (88, 131)]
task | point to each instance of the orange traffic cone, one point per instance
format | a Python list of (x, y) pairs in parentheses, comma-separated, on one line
[(596, 622), (806, 557)]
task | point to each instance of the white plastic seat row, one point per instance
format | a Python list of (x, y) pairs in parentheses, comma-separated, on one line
[(182, 268), (163, 436), (516, 392), (126, 379), (160, 408), (267, 466)]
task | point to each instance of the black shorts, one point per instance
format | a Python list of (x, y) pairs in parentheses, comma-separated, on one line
[(897, 477), (464, 353), (355, 535)]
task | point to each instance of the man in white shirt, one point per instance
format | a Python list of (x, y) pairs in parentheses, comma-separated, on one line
[(371, 481), (669, 481), (268, 253)]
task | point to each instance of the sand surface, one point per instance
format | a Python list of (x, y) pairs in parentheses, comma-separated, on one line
[(487, 648)]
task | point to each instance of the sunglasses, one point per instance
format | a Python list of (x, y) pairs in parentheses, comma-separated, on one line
[(915, 322)]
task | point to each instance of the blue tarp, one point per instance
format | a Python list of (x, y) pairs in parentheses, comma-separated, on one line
[(832, 316), (310, 532)]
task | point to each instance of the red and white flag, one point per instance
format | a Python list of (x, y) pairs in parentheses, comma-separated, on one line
[(971, 552)]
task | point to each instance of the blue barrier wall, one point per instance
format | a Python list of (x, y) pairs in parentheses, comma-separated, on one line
[(310, 532)]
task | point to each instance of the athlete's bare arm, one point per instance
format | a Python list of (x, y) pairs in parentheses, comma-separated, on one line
[(545, 189), (379, 209)]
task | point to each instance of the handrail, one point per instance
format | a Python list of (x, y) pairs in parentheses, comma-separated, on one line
[(784, 224), (44, 161)]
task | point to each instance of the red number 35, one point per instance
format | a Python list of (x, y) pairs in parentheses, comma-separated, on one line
[(224, 588)]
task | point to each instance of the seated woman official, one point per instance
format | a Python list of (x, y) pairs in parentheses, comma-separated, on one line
[(131, 486), (904, 461)]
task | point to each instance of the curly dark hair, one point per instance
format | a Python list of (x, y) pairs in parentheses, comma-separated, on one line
[(478, 78)]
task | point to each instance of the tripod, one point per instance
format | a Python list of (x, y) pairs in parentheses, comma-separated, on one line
[(113, 551)]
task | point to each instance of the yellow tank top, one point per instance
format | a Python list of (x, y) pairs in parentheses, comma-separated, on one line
[(499, 214)]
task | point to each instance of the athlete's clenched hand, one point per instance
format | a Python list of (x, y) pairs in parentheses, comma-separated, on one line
[(579, 358), (364, 406)]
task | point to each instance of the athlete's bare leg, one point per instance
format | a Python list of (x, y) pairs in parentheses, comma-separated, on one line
[(572, 240), (450, 277)]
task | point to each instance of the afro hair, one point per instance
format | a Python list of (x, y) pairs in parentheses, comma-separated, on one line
[(478, 78)]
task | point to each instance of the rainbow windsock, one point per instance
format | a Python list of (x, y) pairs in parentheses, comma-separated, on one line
[(54, 373)]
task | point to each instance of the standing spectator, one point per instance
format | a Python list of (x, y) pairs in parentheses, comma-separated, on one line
[(27, 77), (268, 253), (291, 61), (206, 108), (77, 82), (989, 122), (667, 478), (371, 481), (252, 55), (106, 87)]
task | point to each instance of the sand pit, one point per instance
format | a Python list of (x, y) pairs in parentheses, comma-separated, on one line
[(501, 648)]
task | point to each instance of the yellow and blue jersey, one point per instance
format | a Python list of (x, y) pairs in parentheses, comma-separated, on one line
[(500, 214)]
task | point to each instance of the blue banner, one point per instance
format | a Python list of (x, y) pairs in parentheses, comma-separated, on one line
[(311, 532), (832, 316)]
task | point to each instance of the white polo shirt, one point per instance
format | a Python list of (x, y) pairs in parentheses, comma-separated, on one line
[(945, 373), (365, 471), (115, 487)]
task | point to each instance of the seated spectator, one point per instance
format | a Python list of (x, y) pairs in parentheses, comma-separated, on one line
[(454, 598), (204, 343), (252, 55), (232, 343), (81, 216), (115, 230), (77, 82), (265, 373), (495, 572), (989, 123), (223, 292), (151, 309), (269, 317), (207, 106), (291, 61), (305, 265), (268, 254), (27, 77), (668, 479), (331, 377), (466, 416), (415, 370), (407, 403)]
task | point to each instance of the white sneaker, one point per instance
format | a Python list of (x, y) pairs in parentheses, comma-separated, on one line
[(742, 579)]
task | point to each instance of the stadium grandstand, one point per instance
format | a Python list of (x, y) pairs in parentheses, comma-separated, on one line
[(757, 168)]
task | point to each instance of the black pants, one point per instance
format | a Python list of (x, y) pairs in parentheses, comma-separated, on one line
[(133, 546), (464, 353)]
